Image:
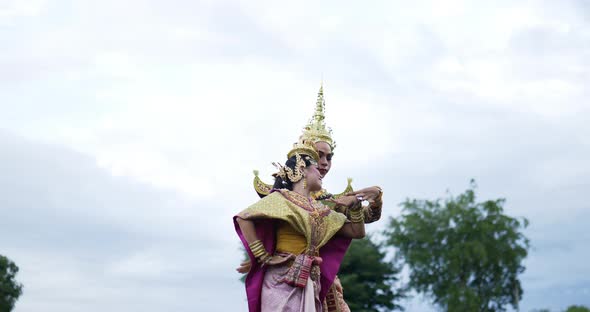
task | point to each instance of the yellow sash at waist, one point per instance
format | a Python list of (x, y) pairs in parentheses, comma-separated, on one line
[(289, 240)]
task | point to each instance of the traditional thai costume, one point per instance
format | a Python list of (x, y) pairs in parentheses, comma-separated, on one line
[(303, 231), (317, 131)]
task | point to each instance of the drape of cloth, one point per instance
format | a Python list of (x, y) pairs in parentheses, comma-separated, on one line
[(315, 221), (279, 296), (334, 301)]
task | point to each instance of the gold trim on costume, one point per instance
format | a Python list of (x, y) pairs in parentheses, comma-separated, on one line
[(263, 189), (303, 147), (260, 187)]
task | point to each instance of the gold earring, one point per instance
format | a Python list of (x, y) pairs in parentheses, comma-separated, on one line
[(304, 183)]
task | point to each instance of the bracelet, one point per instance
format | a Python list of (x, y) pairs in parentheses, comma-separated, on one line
[(357, 216), (260, 253), (265, 260), (257, 249)]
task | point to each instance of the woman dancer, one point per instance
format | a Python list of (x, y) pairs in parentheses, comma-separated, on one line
[(295, 243)]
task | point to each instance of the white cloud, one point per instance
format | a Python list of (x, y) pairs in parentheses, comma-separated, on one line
[(13, 9)]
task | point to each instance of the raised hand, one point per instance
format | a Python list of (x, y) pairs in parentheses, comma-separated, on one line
[(372, 193), (349, 201)]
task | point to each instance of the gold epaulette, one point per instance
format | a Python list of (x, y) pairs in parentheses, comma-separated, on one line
[(263, 189), (260, 187), (348, 188)]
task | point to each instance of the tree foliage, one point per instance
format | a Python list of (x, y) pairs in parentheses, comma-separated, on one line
[(368, 279), (576, 308), (10, 289), (572, 308), (466, 255)]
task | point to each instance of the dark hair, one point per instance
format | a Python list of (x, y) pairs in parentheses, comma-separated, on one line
[(281, 183)]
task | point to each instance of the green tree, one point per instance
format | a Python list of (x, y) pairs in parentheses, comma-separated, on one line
[(368, 279), (466, 255), (576, 308), (10, 289)]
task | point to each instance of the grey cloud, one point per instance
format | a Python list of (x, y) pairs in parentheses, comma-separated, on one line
[(547, 53), (72, 34), (85, 240)]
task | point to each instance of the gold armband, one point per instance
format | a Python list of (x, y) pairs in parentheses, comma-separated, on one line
[(357, 216), (257, 249), (259, 252)]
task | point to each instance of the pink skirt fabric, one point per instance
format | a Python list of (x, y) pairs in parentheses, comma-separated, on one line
[(279, 296)]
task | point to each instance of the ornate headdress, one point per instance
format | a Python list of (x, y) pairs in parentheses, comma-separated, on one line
[(304, 147), (301, 150), (316, 130)]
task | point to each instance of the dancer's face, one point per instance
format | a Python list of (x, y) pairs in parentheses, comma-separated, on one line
[(314, 178), (325, 161)]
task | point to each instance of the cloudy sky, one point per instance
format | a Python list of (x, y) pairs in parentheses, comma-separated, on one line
[(129, 131)]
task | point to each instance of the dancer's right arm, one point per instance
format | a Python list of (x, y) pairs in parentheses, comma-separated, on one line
[(249, 232), (248, 229)]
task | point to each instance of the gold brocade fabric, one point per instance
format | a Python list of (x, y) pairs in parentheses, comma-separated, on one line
[(313, 219), (289, 240)]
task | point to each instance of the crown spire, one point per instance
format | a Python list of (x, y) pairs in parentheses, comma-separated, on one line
[(316, 129), (320, 107)]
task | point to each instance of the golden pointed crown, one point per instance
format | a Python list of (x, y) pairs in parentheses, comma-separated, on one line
[(304, 147), (316, 130)]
